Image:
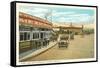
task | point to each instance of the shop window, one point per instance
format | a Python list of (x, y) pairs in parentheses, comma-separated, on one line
[(35, 35), (28, 36), (24, 36), (41, 35), (21, 36)]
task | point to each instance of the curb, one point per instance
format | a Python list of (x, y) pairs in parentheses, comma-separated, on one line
[(38, 52)]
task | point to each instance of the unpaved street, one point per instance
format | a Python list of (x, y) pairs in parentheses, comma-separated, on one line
[(78, 48)]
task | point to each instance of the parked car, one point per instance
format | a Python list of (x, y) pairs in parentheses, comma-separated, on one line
[(63, 41)]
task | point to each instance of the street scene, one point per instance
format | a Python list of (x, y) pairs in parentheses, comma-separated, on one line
[(55, 33), (77, 49)]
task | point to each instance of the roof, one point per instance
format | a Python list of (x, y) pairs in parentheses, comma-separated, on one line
[(69, 27), (30, 17)]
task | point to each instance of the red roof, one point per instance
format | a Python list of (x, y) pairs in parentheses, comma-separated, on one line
[(34, 21)]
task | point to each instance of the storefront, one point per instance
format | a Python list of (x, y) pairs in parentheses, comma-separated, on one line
[(34, 32)]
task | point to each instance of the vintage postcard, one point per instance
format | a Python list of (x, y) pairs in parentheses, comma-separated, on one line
[(55, 33)]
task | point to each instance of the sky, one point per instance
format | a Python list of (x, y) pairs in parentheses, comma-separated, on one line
[(60, 14)]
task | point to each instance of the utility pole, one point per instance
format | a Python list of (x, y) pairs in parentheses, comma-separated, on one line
[(49, 13)]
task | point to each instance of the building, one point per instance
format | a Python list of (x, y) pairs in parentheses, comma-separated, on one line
[(71, 28), (34, 32)]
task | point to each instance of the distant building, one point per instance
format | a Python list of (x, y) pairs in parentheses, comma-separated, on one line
[(71, 28)]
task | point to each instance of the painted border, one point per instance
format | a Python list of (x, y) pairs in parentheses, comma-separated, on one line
[(13, 32)]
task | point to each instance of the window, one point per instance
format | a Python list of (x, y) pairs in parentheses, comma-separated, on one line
[(28, 36), (21, 36), (41, 35), (35, 35), (24, 36)]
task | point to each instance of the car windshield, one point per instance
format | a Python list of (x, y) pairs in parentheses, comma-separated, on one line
[(64, 38)]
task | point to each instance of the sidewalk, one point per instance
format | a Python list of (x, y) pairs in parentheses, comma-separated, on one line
[(33, 52)]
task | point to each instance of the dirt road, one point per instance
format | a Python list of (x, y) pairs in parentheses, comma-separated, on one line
[(78, 48)]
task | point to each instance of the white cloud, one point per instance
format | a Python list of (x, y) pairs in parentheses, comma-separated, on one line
[(32, 9), (79, 15), (58, 16), (71, 17), (77, 18), (55, 13), (39, 12)]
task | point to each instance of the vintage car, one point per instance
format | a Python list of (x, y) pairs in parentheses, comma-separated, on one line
[(63, 41)]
